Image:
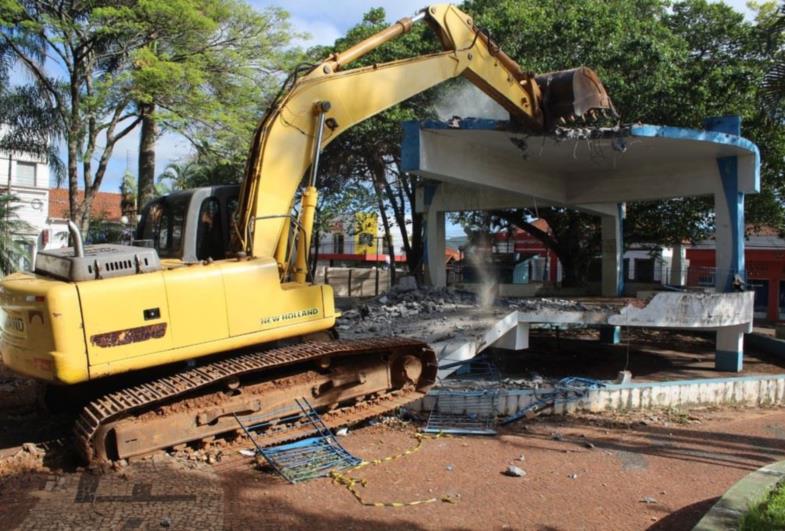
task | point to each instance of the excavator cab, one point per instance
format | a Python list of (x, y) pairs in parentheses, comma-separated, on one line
[(190, 225)]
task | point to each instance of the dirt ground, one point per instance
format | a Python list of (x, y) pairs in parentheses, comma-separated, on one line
[(655, 470), (640, 471)]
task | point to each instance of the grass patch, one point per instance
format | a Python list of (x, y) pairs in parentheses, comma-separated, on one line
[(768, 514)]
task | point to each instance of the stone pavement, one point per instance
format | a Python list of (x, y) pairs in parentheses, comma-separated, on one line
[(151, 494)]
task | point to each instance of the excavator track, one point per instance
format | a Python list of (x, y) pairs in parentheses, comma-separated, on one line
[(94, 426)]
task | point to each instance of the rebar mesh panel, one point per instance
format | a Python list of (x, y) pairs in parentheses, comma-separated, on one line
[(308, 459), (314, 455), (566, 390), (464, 413)]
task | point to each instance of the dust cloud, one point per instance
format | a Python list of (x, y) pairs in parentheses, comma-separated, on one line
[(467, 101)]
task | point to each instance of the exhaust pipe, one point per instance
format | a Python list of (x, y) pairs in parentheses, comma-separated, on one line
[(77, 236)]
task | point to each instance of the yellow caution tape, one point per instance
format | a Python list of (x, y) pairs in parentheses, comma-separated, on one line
[(342, 478)]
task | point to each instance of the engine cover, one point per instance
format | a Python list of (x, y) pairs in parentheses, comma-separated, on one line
[(99, 261)]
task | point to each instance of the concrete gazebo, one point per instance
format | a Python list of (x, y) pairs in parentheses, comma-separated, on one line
[(477, 164)]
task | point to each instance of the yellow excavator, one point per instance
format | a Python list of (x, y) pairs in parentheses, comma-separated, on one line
[(163, 344)]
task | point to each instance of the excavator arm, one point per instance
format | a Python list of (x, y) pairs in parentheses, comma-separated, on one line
[(329, 99)]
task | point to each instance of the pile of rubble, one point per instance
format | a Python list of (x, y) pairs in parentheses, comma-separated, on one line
[(26, 458), (434, 314), (392, 312)]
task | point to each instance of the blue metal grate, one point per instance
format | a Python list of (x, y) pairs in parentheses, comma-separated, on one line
[(565, 390), (315, 456), (464, 413)]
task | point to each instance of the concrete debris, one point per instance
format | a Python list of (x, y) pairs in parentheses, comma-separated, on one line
[(406, 284), (591, 132), (23, 458), (343, 432), (514, 471), (247, 453), (573, 476), (31, 448), (648, 500), (450, 468)]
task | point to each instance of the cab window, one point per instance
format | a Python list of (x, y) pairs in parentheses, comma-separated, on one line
[(164, 225), (210, 235)]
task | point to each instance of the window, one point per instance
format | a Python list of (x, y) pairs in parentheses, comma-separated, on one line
[(337, 243), (210, 233), (25, 174), (164, 224), (761, 288), (644, 270)]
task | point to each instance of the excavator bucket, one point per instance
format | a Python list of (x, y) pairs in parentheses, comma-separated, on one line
[(571, 94)]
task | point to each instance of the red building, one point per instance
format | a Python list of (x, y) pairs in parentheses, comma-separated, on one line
[(520, 241), (764, 258)]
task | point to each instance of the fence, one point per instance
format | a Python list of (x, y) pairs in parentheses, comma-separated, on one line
[(355, 281)]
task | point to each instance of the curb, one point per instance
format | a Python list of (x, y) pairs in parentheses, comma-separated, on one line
[(726, 513)]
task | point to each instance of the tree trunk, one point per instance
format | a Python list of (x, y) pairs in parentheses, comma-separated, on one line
[(73, 182), (386, 223), (146, 182), (414, 259)]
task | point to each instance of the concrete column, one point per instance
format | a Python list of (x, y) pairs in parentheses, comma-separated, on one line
[(729, 244), (612, 255), (729, 355), (435, 247), (678, 266), (612, 268), (729, 232)]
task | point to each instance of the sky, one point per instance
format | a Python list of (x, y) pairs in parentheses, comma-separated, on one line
[(324, 21)]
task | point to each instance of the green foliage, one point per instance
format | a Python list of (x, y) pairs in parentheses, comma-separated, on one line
[(12, 251), (196, 172), (768, 514), (205, 64), (210, 68)]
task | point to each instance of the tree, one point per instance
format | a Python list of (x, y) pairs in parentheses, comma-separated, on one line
[(77, 56), (95, 63), (674, 67), (213, 70)]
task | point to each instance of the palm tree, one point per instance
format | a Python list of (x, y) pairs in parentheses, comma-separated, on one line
[(12, 250), (180, 176)]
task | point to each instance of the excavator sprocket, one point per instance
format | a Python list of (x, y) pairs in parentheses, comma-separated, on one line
[(347, 380)]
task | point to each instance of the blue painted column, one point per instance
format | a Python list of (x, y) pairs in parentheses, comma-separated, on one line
[(729, 244), (612, 266), (435, 238)]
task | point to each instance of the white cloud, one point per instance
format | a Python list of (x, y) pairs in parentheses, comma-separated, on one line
[(319, 31)]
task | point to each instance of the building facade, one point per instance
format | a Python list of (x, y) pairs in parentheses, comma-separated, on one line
[(26, 177)]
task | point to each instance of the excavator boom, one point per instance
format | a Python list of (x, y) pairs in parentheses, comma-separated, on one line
[(289, 139)]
